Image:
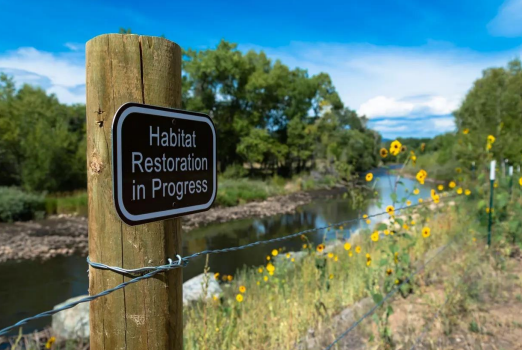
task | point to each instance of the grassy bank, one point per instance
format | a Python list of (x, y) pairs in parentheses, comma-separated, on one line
[(74, 203), (291, 295), (16, 204), (438, 167)]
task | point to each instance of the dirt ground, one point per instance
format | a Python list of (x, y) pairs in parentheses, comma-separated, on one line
[(483, 311)]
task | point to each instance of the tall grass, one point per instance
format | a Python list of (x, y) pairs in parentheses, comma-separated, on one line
[(306, 289), (74, 203)]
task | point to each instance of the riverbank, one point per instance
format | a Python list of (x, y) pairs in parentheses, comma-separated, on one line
[(65, 235)]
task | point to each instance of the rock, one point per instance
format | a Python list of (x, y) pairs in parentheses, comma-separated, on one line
[(193, 288), (72, 323)]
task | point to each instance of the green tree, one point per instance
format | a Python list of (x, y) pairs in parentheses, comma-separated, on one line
[(42, 141)]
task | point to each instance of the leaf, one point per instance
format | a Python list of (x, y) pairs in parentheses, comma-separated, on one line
[(382, 226), (389, 310), (377, 298), (393, 197), (383, 262), (399, 221)]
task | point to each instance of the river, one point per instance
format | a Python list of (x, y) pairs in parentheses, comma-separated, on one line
[(28, 288)]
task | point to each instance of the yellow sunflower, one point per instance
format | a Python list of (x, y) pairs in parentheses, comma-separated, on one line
[(384, 152), (465, 131), (242, 289), (320, 248), (369, 177), (347, 246), (390, 209), (452, 184), (239, 298), (357, 249), (375, 236), (426, 232), (491, 139), (395, 147)]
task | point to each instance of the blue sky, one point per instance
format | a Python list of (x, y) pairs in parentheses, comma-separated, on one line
[(405, 64)]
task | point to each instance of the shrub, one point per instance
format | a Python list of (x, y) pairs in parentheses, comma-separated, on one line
[(234, 192), (235, 171), (71, 203), (16, 205)]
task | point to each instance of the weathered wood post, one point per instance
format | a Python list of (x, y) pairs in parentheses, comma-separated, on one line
[(147, 314)]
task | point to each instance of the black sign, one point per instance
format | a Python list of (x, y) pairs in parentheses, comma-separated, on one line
[(163, 163)]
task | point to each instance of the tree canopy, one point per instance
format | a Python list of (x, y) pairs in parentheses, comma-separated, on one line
[(266, 114)]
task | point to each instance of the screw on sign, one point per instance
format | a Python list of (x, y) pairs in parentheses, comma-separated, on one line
[(164, 163)]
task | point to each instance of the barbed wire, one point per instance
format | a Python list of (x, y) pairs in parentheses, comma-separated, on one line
[(156, 270), (249, 245), (183, 261), (390, 294)]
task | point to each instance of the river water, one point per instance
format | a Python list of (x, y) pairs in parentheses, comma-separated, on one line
[(28, 288)]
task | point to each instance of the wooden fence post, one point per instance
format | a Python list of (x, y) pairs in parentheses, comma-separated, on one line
[(147, 314)]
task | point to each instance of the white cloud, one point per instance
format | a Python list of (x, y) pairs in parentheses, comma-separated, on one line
[(385, 106), (382, 106), (508, 21), (59, 73), (444, 124), (75, 46)]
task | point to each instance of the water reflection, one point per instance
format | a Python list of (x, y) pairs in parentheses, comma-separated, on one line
[(317, 214)]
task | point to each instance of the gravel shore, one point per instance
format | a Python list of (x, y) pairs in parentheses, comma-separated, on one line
[(64, 235)]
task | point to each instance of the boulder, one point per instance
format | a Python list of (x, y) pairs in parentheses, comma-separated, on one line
[(193, 288), (72, 323)]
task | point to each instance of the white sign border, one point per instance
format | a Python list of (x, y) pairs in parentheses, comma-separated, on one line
[(159, 111)]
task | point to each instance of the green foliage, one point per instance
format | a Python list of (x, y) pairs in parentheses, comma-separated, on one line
[(234, 171), (16, 205), (75, 203), (42, 142), (237, 191), (261, 110)]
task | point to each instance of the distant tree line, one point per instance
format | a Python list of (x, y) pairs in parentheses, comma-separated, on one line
[(268, 116)]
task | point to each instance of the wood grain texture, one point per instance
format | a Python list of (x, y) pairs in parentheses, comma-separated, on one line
[(148, 314)]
